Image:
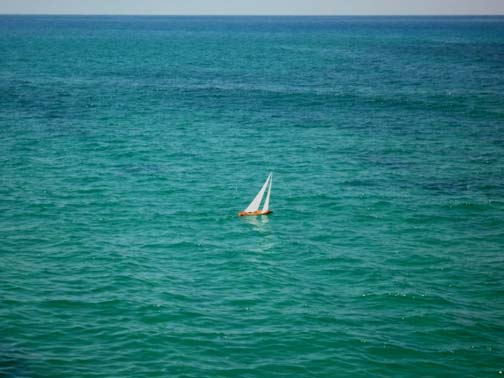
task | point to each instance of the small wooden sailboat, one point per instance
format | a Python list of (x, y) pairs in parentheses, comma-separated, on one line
[(253, 208)]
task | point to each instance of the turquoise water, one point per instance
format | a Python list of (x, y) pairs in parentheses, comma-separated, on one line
[(129, 144)]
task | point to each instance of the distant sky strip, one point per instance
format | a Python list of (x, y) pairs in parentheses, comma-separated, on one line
[(256, 7)]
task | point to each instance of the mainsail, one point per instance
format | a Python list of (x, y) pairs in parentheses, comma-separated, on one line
[(266, 202), (256, 202)]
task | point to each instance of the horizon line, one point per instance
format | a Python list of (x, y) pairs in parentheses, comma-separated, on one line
[(263, 15)]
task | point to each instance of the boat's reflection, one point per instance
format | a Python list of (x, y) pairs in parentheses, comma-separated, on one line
[(260, 223), (264, 227)]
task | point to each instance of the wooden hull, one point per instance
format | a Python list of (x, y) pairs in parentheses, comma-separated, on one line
[(253, 213)]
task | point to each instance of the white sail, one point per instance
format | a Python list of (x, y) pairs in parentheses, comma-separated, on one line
[(256, 202), (266, 202)]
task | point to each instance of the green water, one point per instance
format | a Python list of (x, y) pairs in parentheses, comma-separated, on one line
[(129, 144)]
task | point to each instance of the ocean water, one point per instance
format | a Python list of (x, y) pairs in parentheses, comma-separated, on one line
[(129, 144)]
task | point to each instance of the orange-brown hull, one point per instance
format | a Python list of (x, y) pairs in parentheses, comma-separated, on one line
[(252, 213)]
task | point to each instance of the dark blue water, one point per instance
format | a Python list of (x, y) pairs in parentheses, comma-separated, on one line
[(129, 144)]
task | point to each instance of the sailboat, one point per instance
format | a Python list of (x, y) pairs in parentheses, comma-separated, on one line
[(253, 208)]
